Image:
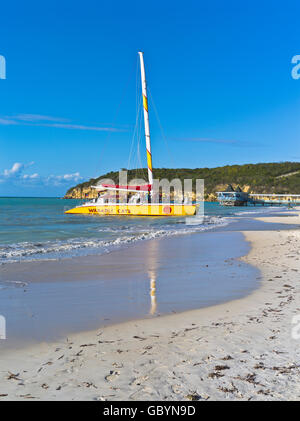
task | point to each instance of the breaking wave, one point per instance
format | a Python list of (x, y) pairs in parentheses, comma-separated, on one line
[(118, 236), (261, 210)]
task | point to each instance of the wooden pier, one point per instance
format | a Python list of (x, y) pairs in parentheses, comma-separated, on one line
[(274, 199), (237, 197)]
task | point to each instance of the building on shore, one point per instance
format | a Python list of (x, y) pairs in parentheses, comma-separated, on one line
[(231, 197)]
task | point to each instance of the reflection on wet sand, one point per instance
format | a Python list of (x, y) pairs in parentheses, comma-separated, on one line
[(152, 263), (153, 293)]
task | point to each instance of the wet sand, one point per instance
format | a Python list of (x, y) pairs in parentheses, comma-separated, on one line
[(52, 299)]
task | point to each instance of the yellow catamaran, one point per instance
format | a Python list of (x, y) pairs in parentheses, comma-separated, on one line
[(143, 202)]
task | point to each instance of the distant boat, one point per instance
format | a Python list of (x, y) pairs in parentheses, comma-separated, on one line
[(142, 203)]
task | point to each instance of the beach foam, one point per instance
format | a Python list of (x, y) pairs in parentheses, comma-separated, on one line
[(122, 236), (47, 233)]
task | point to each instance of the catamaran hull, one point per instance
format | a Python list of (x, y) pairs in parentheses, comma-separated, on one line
[(136, 210)]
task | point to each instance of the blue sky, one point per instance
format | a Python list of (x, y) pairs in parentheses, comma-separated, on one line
[(219, 74)]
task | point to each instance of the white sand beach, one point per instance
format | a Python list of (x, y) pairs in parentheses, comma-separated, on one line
[(240, 350)]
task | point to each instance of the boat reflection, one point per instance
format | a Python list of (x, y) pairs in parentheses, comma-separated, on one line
[(153, 292), (152, 266)]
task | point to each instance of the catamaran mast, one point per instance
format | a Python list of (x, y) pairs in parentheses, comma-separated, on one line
[(146, 120)]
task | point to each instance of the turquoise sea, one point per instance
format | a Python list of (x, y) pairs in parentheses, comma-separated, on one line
[(37, 228)]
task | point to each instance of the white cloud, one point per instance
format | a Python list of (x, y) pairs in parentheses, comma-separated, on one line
[(50, 121), (64, 179), (16, 176), (75, 176), (7, 122), (15, 170), (15, 173), (207, 140), (232, 142), (37, 117), (30, 176), (80, 127)]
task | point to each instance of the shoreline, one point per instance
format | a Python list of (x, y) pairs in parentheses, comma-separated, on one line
[(45, 244), (242, 349)]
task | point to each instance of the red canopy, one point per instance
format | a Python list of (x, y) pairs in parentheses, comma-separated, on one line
[(143, 188)]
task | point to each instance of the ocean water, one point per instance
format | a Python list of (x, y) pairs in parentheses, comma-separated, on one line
[(37, 228), (47, 296)]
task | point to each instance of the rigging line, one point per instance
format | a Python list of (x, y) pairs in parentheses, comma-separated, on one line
[(137, 130), (134, 163), (134, 135), (144, 170), (137, 146), (140, 171), (137, 97), (137, 106), (137, 139), (107, 139), (138, 103), (161, 128), (132, 144), (139, 160)]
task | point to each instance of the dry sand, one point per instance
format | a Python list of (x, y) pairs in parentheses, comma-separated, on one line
[(239, 350)]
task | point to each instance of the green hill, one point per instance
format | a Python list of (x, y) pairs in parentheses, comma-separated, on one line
[(282, 177)]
